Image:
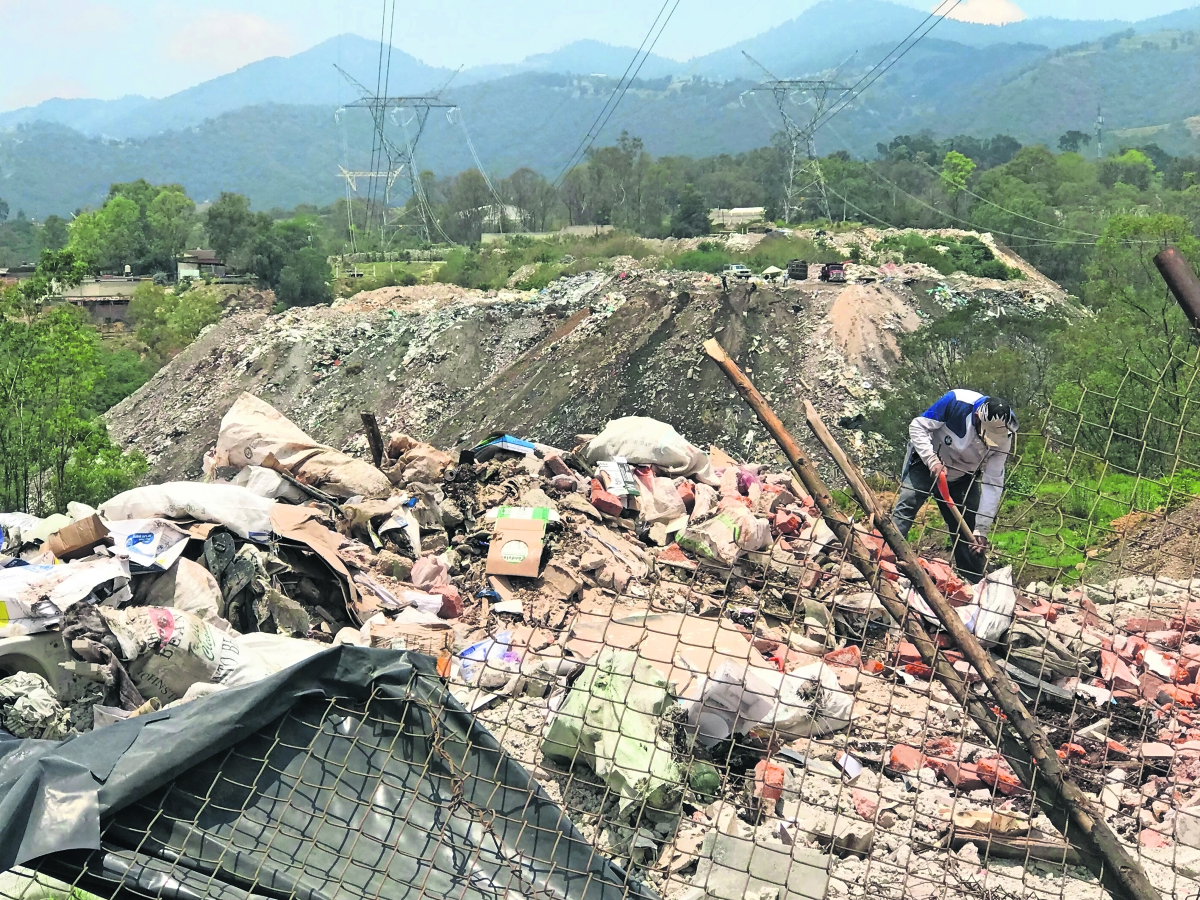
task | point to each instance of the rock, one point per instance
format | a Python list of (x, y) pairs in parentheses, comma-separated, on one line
[(559, 581), (393, 565)]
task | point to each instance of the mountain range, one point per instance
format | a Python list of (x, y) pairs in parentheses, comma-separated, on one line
[(272, 129)]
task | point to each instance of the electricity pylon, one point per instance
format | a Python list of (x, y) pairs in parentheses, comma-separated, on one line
[(804, 175), (398, 157)]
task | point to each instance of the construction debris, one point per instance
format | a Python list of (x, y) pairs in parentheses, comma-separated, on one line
[(680, 652)]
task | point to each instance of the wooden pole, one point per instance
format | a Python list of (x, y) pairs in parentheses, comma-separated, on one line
[(1066, 805)]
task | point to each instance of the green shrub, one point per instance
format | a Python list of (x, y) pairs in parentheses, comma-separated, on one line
[(711, 261), (542, 276)]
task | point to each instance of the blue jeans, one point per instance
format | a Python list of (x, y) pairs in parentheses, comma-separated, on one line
[(916, 485)]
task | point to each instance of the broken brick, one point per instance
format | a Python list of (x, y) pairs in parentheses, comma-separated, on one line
[(849, 657), (995, 772), (787, 523), (1142, 625), (873, 667), (1169, 640), (907, 653), (1117, 747), (919, 670), (556, 465), (605, 502), (866, 805), (768, 780), (1177, 693), (904, 759), (687, 493), (1071, 751)]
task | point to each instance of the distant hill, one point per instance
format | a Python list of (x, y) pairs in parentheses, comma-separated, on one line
[(578, 58), (281, 153)]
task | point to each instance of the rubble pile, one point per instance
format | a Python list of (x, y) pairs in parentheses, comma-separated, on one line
[(669, 639), (449, 365)]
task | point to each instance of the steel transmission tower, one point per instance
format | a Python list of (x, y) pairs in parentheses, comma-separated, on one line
[(395, 158), (804, 173)]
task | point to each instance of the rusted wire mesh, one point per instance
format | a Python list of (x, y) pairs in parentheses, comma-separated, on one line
[(869, 781)]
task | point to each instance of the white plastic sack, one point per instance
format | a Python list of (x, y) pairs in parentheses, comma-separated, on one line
[(190, 587), (168, 651), (254, 433), (738, 699), (988, 616), (645, 442), (241, 511), (268, 483)]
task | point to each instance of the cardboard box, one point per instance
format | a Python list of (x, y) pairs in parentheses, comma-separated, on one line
[(517, 548), (79, 539), (430, 639)]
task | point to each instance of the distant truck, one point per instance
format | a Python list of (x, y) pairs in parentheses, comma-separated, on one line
[(736, 270), (834, 272), (797, 270)]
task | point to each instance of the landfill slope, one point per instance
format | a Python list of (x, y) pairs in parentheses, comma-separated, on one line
[(449, 365)]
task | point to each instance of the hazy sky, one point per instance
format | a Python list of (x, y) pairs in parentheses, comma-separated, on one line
[(94, 48)]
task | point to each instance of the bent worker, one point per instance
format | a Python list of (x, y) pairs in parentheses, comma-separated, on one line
[(967, 437)]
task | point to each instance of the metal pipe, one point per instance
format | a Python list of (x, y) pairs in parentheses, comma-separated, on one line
[(1181, 279)]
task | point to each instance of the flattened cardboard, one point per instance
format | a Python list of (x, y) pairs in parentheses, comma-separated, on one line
[(517, 548), (78, 539)]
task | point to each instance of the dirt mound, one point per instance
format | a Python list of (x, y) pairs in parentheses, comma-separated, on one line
[(449, 365)]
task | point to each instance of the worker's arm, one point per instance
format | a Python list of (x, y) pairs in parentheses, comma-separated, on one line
[(991, 488), (922, 429)]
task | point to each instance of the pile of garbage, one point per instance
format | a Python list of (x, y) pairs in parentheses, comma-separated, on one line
[(682, 626)]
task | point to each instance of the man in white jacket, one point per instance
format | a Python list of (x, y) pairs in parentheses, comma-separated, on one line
[(969, 437)]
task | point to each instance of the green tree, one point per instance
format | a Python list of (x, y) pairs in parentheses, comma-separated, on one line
[(305, 280), (691, 218), (167, 321), (3, 210), (1073, 141), (169, 218), (231, 226), (124, 238), (956, 172), (54, 233)]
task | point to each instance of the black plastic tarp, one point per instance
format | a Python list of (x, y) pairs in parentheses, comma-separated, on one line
[(353, 774)]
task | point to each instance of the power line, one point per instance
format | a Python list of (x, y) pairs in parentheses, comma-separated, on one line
[(619, 91), (854, 93), (1013, 212)]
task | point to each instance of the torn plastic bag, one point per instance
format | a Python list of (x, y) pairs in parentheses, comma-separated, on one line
[(241, 511), (610, 721), (733, 528), (33, 598), (988, 614), (738, 699), (376, 729), (254, 433), (647, 442), (150, 545), (14, 527), (269, 483)]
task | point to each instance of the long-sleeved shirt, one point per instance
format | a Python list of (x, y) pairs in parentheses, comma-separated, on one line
[(946, 431)]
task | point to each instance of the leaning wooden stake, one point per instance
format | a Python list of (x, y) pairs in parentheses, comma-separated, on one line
[(1019, 737)]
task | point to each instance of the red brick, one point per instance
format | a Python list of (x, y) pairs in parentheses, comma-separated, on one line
[(1150, 685), (1169, 640), (1117, 747), (850, 657), (810, 579), (873, 667), (605, 502), (919, 670), (866, 805), (452, 605), (996, 773), (1142, 625), (687, 493), (1071, 751), (907, 653), (768, 780), (556, 465), (904, 758), (787, 523), (963, 776), (1177, 694), (1131, 650)]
